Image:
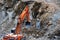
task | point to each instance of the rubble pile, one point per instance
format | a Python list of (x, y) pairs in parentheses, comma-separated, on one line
[(42, 12)]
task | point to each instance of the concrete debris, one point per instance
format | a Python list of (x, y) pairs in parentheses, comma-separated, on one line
[(45, 19)]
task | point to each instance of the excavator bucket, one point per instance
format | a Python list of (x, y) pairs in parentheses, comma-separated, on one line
[(27, 23)]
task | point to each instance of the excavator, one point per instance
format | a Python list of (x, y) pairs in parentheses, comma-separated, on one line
[(16, 34)]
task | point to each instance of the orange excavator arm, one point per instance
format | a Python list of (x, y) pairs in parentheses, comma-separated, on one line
[(16, 34), (25, 13)]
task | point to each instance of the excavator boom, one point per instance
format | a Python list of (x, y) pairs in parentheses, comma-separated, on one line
[(25, 13)]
